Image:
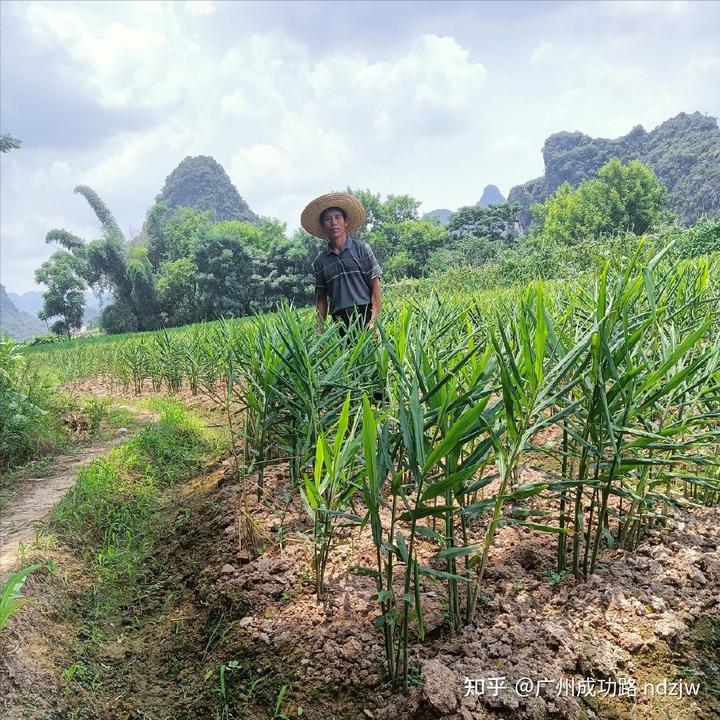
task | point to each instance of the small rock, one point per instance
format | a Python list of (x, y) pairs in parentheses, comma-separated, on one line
[(668, 626), (246, 621), (631, 641), (227, 569), (439, 687), (121, 431), (499, 650), (600, 658)]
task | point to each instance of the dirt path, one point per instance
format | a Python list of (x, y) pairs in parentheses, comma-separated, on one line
[(35, 497)]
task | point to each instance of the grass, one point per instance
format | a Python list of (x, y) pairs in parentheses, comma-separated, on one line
[(109, 514), (65, 423)]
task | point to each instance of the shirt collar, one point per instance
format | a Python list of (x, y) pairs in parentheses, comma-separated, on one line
[(348, 245)]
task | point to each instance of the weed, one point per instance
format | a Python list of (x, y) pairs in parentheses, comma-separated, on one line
[(555, 578), (415, 675), (278, 712), (11, 599)]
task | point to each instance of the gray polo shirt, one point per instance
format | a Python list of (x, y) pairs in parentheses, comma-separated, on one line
[(345, 278)]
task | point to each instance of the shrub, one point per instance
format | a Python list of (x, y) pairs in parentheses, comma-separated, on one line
[(118, 318)]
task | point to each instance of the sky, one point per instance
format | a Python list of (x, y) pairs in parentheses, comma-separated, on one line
[(296, 99)]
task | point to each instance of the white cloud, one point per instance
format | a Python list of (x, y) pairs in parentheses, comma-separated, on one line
[(200, 7), (140, 60), (435, 79), (408, 112), (542, 52)]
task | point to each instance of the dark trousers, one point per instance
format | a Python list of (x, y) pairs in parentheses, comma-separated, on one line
[(355, 314)]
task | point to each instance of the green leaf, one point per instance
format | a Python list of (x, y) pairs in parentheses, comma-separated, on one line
[(402, 547), (455, 552), (431, 572)]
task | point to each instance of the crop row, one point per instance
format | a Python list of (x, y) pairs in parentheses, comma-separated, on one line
[(422, 430)]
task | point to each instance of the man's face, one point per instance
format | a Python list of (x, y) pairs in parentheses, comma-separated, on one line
[(334, 224)]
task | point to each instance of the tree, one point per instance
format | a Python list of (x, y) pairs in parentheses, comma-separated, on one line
[(281, 265), (64, 297), (102, 212), (8, 142), (177, 291), (118, 318), (636, 195), (107, 264), (383, 226), (142, 289), (224, 271), (623, 198), (495, 222), (173, 238)]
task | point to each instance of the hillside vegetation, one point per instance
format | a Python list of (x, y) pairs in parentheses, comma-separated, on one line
[(683, 152), (202, 184)]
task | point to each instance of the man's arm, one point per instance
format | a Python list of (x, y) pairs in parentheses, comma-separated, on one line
[(321, 302), (321, 305), (375, 300)]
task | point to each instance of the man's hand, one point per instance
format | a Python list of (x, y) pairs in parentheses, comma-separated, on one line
[(321, 306), (375, 301)]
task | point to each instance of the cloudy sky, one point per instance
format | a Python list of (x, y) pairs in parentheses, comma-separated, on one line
[(295, 99)]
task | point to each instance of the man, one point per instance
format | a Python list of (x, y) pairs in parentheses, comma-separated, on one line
[(347, 275)]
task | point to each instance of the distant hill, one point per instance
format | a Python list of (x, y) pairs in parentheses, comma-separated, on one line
[(443, 215), (202, 183), (684, 153), (491, 196), (31, 302), (17, 324)]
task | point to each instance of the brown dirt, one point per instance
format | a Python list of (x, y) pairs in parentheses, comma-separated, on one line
[(207, 604)]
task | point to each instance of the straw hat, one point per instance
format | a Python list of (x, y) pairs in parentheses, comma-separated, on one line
[(310, 218)]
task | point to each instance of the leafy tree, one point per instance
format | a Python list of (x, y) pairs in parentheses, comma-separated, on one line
[(399, 265), (142, 292), (101, 210), (66, 239), (224, 268), (118, 318), (173, 238), (177, 291), (623, 198), (281, 265), (495, 222), (64, 297), (107, 264), (636, 196), (8, 143), (390, 229), (418, 240)]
